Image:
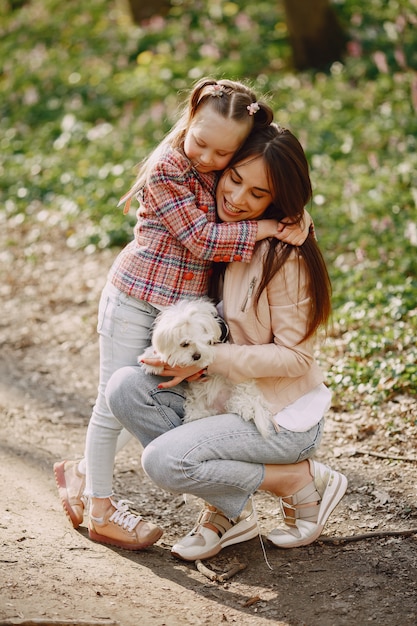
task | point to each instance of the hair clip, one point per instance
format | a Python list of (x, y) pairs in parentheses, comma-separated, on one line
[(216, 90), (253, 108)]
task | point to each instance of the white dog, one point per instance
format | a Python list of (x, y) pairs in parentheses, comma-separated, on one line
[(184, 334)]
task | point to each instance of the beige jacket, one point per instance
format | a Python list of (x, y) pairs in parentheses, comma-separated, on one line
[(267, 347)]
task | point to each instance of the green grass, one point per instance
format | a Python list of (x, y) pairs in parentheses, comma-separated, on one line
[(86, 95)]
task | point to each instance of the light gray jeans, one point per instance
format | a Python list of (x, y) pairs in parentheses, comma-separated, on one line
[(124, 326), (219, 458)]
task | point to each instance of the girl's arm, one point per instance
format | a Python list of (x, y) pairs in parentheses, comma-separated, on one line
[(171, 197), (293, 234)]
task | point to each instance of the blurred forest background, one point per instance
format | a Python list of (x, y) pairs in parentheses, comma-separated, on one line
[(86, 93)]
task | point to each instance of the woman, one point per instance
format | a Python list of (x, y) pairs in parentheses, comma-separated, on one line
[(273, 305)]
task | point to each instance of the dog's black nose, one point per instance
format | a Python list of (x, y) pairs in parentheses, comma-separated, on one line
[(196, 356)]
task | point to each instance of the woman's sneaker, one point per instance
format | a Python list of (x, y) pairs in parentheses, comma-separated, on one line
[(306, 512), (71, 486), (214, 531), (122, 528)]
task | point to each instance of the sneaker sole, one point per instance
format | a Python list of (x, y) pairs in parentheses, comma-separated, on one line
[(228, 539), (332, 496), (120, 544), (61, 484)]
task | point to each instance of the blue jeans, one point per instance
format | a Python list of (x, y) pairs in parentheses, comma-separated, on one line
[(219, 458), (124, 326)]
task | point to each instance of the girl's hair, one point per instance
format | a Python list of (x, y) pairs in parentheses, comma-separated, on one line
[(289, 179), (230, 99)]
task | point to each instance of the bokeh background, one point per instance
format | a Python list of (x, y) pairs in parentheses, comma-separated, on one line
[(87, 92)]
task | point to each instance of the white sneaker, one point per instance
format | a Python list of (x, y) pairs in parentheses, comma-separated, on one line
[(214, 531), (304, 524)]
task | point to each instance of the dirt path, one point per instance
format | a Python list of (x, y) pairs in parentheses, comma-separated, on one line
[(52, 574)]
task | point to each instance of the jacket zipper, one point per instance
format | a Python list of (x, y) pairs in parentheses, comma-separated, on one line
[(249, 294)]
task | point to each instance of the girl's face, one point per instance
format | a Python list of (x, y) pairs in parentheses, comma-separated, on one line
[(211, 140), (243, 192)]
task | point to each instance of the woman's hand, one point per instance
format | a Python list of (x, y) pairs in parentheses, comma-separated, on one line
[(190, 373)]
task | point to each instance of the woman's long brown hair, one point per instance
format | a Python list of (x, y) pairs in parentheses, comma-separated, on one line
[(289, 178)]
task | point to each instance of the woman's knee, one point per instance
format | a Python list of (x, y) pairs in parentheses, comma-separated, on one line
[(161, 466)]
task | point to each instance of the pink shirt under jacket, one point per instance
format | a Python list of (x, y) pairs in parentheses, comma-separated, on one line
[(177, 237), (267, 348)]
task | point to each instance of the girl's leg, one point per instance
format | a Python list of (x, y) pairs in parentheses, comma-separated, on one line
[(122, 440), (124, 325)]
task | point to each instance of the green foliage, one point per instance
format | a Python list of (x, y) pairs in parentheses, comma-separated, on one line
[(86, 95)]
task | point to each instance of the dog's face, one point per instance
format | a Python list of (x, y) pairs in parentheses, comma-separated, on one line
[(186, 332)]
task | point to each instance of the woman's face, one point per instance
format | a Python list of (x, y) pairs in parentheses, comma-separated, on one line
[(211, 140), (243, 192)]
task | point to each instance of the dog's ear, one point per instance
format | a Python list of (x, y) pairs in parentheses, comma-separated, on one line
[(224, 329)]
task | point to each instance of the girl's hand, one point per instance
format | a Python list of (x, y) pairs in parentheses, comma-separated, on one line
[(295, 234), (192, 372), (267, 228)]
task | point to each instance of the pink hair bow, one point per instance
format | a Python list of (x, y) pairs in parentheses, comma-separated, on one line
[(216, 90), (253, 108)]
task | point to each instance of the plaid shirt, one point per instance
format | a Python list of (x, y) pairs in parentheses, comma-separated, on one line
[(177, 237)]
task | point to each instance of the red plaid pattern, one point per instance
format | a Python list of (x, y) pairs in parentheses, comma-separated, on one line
[(177, 237)]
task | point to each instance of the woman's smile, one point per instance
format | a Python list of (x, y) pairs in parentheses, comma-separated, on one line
[(243, 191), (229, 208)]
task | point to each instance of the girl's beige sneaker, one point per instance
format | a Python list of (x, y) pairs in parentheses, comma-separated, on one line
[(122, 528), (71, 486)]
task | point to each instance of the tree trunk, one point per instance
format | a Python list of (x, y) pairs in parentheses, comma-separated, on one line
[(317, 39), (143, 9)]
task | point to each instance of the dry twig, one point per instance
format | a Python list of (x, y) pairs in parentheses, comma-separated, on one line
[(234, 569), (206, 571), (251, 601), (220, 578), (381, 455), (376, 535)]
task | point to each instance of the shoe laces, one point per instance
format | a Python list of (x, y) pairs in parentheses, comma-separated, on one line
[(123, 516), (260, 534)]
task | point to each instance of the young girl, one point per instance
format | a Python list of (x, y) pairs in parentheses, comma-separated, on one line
[(176, 240), (273, 306)]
